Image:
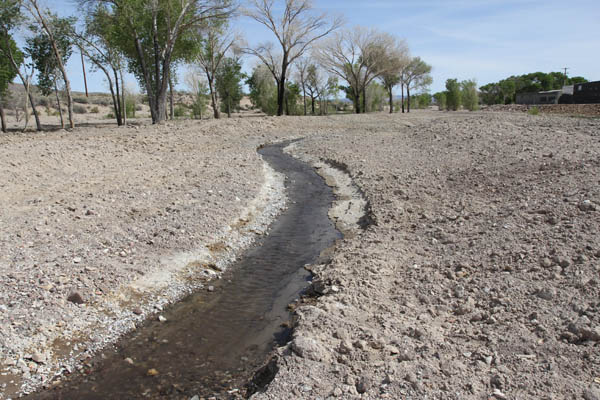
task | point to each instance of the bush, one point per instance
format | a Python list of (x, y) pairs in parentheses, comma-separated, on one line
[(81, 100), (77, 109), (94, 110), (43, 101), (130, 107), (180, 111), (110, 116), (533, 111), (101, 101)]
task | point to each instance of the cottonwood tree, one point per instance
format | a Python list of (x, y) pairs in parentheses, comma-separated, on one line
[(397, 60), (154, 34), (453, 95), (296, 30), (357, 56), (228, 83), (263, 89), (300, 77), (10, 18), (94, 41), (470, 98), (46, 22), (41, 51), (7, 74), (315, 85), (416, 75), (216, 42)]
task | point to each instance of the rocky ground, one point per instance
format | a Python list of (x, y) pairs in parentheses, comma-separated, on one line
[(477, 279)]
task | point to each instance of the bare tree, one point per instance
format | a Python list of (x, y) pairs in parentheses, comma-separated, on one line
[(398, 58), (296, 30), (315, 85), (43, 22), (217, 42), (301, 73), (358, 56)]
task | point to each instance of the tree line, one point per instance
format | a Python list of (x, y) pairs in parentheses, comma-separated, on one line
[(312, 58)]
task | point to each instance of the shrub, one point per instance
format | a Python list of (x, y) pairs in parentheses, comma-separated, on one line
[(533, 111), (130, 107), (81, 100), (94, 110), (180, 111), (77, 109), (110, 116), (101, 101), (43, 101)]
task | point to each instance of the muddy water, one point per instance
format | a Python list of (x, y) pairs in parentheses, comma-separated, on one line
[(212, 343)]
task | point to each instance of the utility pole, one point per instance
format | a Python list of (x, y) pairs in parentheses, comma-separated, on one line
[(565, 79)]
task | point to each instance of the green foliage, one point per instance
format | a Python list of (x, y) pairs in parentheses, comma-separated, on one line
[(81, 100), (292, 99), (130, 106), (440, 100), (263, 90), (533, 111), (453, 94), (180, 110), (200, 104), (39, 48), (7, 72), (422, 100), (505, 91), (376, 97), (229, 84), (94, 110), (468, 92)]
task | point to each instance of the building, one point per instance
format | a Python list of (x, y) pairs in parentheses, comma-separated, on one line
[(547, 97)]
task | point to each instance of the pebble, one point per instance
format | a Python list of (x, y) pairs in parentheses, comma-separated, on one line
[(75, 297), (546, 293), (152, 372), (77, 260), (162, 319), (498, 394), (211, 288), (128, 361), (546, 262)]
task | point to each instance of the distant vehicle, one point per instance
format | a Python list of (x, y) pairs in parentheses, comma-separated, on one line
[(580, 93)]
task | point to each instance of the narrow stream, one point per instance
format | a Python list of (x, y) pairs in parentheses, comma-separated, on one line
[(212, 343)]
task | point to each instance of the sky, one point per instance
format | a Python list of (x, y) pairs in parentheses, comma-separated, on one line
[(485, 40)]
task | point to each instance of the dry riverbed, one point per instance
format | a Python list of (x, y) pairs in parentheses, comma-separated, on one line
[(478, 278)]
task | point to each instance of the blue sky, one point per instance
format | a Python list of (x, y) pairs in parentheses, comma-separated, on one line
[(486, 40)]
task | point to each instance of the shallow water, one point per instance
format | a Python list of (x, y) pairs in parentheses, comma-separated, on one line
[(213, 342)]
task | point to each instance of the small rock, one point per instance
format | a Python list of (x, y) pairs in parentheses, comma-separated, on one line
[(587, 206), (546, 293), (496, 381), (196, 397), (38, 358), (89, 212), (162, 319), (77, 260), (76, 298), (152, 372), (345, 347), (211, 288), (137, 311), (128, 361), (362, 386), (498, 394), (546, 262), (406, 355)]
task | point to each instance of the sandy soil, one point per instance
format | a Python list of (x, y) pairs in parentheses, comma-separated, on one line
[(478, 279)]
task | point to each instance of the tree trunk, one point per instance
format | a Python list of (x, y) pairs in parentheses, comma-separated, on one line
[(407, 98), (228, 106), (391, 100), (304, 96), (122, 99), (62, 121), (312, 105), (148, 83), (402, 87), (213, 96), (364, 99), (356, 103), (117, 98), (171, 109), (281, 87), (2, 117)]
